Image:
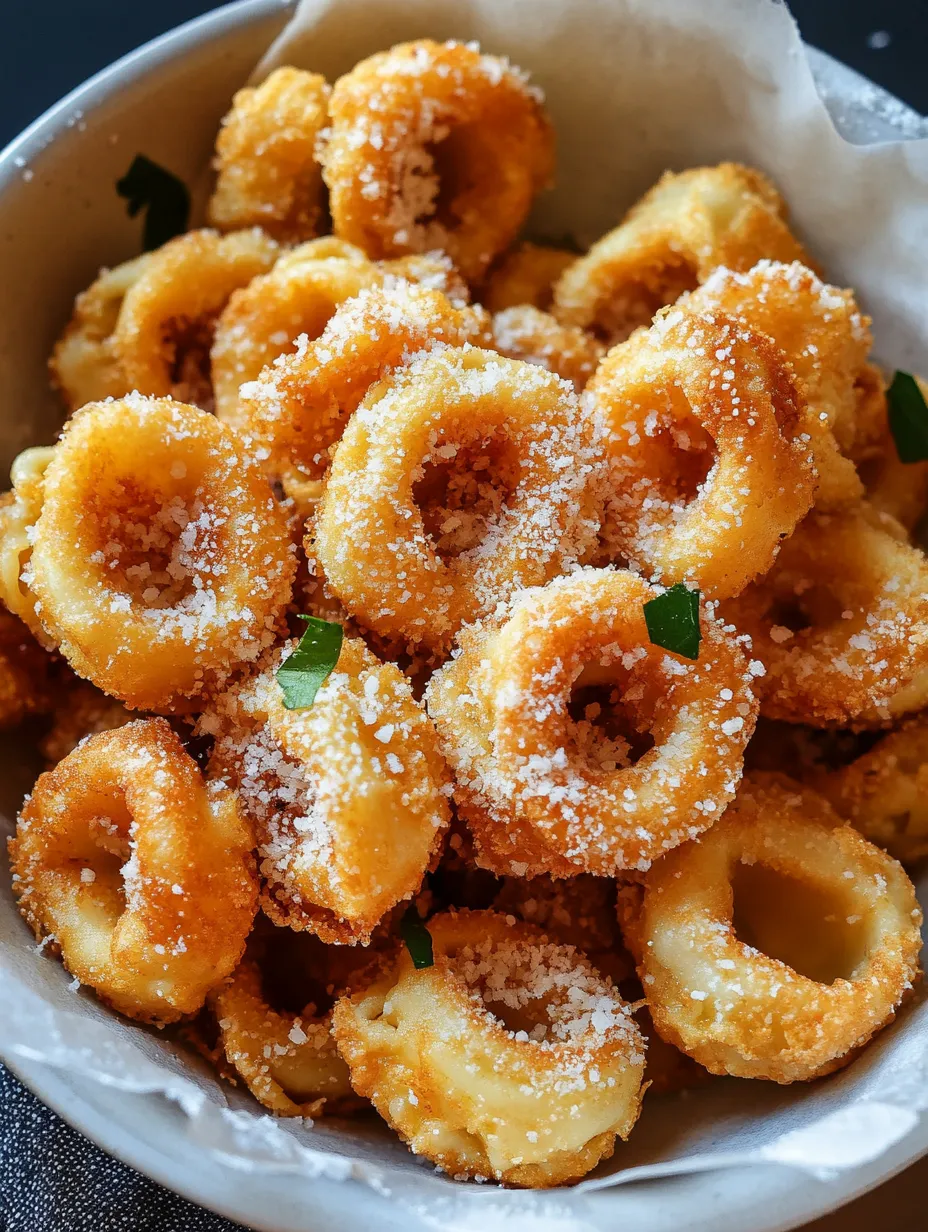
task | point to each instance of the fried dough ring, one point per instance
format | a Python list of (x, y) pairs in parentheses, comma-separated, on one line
[(19, 512), (347, 797), (297, 409), (723, 999), (26, 673), (884, 792), (544, 792), (841, 623), (161, 560), (826, 339), (433, 145), (268, 175), (534, 336), (84, 364), (298, 297), (142, 874), (709, 465), (288, 1061), (686, 226), (371, 537), (165, 324), (526, 275), (510, 1057)]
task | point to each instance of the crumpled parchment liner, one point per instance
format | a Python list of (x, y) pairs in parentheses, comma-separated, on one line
[(635, 86)]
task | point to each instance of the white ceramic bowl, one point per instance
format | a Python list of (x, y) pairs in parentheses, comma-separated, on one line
[(58, 223)]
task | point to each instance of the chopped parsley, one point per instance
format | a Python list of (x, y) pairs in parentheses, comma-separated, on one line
[(673, 621), (302, 673), (908, 418), (418, 939), (164, 198)]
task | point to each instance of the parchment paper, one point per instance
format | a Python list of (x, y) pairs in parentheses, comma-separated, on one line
[(634, 86)]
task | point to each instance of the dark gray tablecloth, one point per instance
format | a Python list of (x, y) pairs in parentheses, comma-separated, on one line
[(52, 1179)]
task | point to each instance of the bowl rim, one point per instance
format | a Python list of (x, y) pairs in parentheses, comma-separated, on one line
[(58, 1091)]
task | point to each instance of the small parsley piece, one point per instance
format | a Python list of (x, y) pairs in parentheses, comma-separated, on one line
[(908, 418), (673, 621), (164, 198), (302, 673), (418, 939)]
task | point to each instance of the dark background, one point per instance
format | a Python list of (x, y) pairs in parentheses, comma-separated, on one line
[(51, 1179)]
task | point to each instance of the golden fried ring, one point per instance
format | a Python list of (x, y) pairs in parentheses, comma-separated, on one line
[(161, 560), (298, 407), (686, 226), (268, 176), (84, 365), (709, 465), (27, 684), (526, 275), (543, 791), (826, 340), (141, 874), (266, 318), (165, 324), (511, 1057), (781, 942), (841, 623), (288, 1061), (884, 792), (534, 336), (19, 512), (348, 797), (370, 534), (435, 146)]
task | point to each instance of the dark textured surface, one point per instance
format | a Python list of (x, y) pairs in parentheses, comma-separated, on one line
[(52, 1179)]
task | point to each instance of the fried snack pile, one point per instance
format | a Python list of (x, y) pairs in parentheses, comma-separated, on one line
[(403, 605)]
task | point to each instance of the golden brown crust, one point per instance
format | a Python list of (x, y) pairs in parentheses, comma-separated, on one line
[(538, 338), (525, 275)]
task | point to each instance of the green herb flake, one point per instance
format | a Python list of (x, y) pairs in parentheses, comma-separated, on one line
[(302, 673), (164, 198), (673, 621), (908, 418), (418, 939)]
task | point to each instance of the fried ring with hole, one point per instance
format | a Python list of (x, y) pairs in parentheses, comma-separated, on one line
[(138, 872), (543, 791), (298, 297), (710, 463), (781, 942), (419, 583), (883, 793), (525, 275), (433, 145), (268, 175), (348, 797), (19, 512), (160, 559), (27, 673), (841, 623), (298, 407), (165, 325), (510, 1057), (826, 339), (536, 337), (288, 1061), (84, 365), (686, 226)]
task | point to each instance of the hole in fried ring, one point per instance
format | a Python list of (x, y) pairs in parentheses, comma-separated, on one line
[(511, 1057), (141, 874), (534, 798), (803, 885)]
